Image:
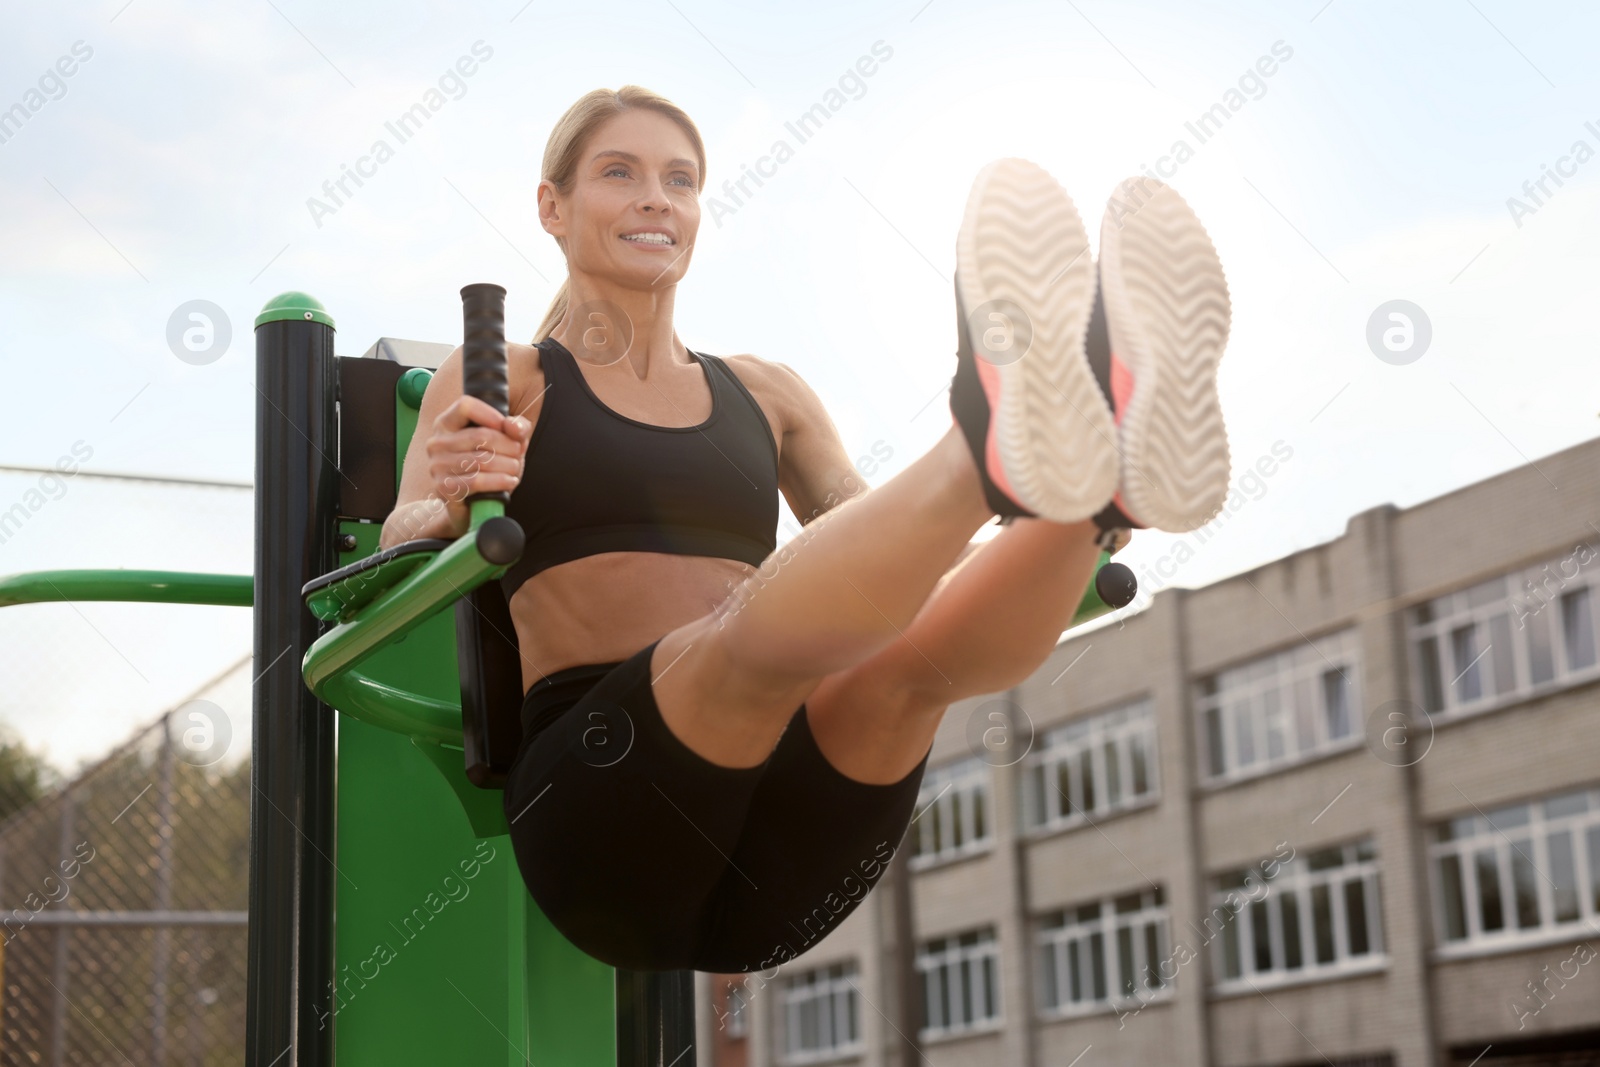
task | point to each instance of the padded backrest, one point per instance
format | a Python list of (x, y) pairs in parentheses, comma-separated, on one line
[(490, 665)]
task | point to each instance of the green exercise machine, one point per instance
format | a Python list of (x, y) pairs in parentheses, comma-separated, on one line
[(389, 923)]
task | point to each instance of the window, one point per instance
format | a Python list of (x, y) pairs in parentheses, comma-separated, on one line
[(1501, 639), (737, 1020), (954, 812), (1577, 628), (1518, 873), (1281, 708), (960, 983), (1103, 954), (1092, 766), (1316, 914), (820, 1016)]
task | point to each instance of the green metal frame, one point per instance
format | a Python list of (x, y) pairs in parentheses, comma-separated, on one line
[(492, 955)]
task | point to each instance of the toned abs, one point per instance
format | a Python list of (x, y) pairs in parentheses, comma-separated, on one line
[(605, 607)]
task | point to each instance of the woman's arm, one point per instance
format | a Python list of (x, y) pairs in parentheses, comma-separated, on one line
[(418, 512), (815, 474), (453, 453)]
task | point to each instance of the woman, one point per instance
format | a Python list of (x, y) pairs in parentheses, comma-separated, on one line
[(723, 743)]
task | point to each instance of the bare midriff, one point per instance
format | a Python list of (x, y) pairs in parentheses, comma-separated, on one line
[(604, 608)]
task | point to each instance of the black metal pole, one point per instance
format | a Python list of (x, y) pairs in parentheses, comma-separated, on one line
[(290, 957), (655, 1019)]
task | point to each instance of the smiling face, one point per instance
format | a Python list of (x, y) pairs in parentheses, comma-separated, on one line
[(632, 210)]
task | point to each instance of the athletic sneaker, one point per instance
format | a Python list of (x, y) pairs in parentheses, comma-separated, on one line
[(1163, 313), (1041, 431)]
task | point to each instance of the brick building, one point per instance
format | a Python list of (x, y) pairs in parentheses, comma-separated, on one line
[(1342, 808)]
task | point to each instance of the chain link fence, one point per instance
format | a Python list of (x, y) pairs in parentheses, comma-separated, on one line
[(123, 896), (123, 882)]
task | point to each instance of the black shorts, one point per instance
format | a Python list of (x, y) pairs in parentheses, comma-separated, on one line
[(647, 856)]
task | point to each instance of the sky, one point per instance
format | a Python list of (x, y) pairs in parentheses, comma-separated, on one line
[(1391, 154)]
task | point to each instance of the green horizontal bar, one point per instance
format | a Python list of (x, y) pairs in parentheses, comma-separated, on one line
[(453, 573), (151, 587)]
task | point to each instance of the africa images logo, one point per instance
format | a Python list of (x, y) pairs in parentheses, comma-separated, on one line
[(806, 126), (402, 128)]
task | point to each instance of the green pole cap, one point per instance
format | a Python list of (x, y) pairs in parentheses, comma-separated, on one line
[(413, 383), (294, 305)]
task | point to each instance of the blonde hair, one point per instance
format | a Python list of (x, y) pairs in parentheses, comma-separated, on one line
[(567, 141)]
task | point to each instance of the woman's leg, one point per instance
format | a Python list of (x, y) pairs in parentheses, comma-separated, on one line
[(832, 804), (848, 585), (987, 627), (1033, 435), (1157, 337)]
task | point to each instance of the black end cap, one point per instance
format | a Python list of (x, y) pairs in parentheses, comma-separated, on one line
[(500, 541), (1115, 584)]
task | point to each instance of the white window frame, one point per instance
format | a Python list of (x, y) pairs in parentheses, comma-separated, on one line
[(736, 1023), (1296, 880), (1285, 689), (1506, 603), (1120, 728), (830, 993), (966, 967), (1471, 833), (1062, 928), (956, 799)]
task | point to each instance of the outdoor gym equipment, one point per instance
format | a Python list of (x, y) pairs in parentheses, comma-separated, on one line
[(388, 816)]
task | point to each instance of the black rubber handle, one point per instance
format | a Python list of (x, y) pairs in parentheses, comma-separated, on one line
[(483, 350)]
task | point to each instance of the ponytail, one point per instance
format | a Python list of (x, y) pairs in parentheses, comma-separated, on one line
[(553, 317)]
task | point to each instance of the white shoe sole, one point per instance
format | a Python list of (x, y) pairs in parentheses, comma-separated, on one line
[(1168, 313), (1051, 428)]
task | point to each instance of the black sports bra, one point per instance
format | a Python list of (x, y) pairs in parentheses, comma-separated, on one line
[(597, 481)]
